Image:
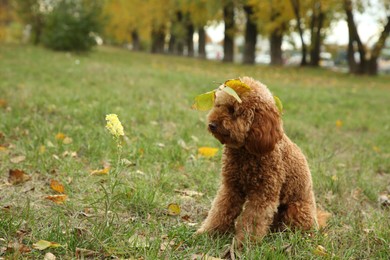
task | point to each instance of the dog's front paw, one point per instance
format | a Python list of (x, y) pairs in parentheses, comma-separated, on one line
[(200, 231)]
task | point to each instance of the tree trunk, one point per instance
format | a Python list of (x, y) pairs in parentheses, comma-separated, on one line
[(276, 48), (171, 44), (190, 41), (135, 40), (296, 6), (228, 42), (202, 43), (158, 39), (357, 68), (316, 37), (250, 37)]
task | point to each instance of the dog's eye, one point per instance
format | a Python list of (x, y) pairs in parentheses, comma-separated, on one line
[(231, 110)]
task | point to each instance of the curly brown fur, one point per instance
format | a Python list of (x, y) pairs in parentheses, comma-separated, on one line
[(266, 182)]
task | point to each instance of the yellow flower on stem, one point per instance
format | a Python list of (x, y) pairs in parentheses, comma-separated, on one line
[(114, 126)]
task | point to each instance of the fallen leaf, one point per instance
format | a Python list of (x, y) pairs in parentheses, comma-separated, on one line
[(139, 241), (190, 193), (58, 199), (384, 200), (43, 244), (67, 140), (82, 253), (3, 103), (320, 251), (204, 257), (103, 171), (3, 149), (49, 256), (376, 149), (334, 178), (56, 186), (42, 149), (339, 123), (17, 176), (174, 209), (18, 159), (60, 136), (207, 151)]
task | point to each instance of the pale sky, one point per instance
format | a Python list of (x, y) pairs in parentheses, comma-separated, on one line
[(368, 27)]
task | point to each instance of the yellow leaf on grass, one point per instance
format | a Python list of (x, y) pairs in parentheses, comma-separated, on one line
[(42, 149), (334, 178), (339, 123), (320, 251), (43, 244), (3, 148), (56, 186), (17, 176), (174, 209), (58, 199), (60, 136), (207, 151), (376, 148), (103, 171)]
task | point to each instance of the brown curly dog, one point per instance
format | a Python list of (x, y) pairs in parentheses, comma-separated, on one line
[(266, 182)]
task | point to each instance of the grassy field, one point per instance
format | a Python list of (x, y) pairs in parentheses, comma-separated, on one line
[(52, 118)]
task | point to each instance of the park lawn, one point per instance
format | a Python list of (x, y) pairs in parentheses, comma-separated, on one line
[(52, 127)]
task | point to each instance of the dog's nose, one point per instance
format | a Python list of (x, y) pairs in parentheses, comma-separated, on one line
[(212, 126)]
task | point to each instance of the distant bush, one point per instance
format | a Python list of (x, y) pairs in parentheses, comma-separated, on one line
[(72, 25)]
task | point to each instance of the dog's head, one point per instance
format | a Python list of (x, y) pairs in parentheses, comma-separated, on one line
[(254, 123)]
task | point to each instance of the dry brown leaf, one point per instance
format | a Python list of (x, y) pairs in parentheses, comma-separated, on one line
[(3, 103), (204, 257), (67, 140), (17, 176), (190, 193), (58, 199), (82, 253), (49, 256), (56, 186), (18, 159)]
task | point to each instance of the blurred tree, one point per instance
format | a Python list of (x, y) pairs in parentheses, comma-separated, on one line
[(126, 22), (72, 25), (250, 36), (6, 17), (32, 12), (272, 19), (228, 42), (368, 57)]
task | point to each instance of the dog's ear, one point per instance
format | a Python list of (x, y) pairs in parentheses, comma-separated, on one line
[(265, 132)]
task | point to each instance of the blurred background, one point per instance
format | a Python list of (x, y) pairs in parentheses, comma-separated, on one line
[(343, 35)]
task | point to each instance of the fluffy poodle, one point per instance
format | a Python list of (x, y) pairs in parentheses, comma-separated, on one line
[(266, 182)]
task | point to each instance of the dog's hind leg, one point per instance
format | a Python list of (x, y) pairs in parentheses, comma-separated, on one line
[(302, 215)]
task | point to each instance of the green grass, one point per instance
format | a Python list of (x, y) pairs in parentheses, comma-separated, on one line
[(48, 92)]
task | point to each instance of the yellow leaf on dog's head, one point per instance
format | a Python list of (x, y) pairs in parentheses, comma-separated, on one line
[(207, 151), (238, 86), (205, 101)]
